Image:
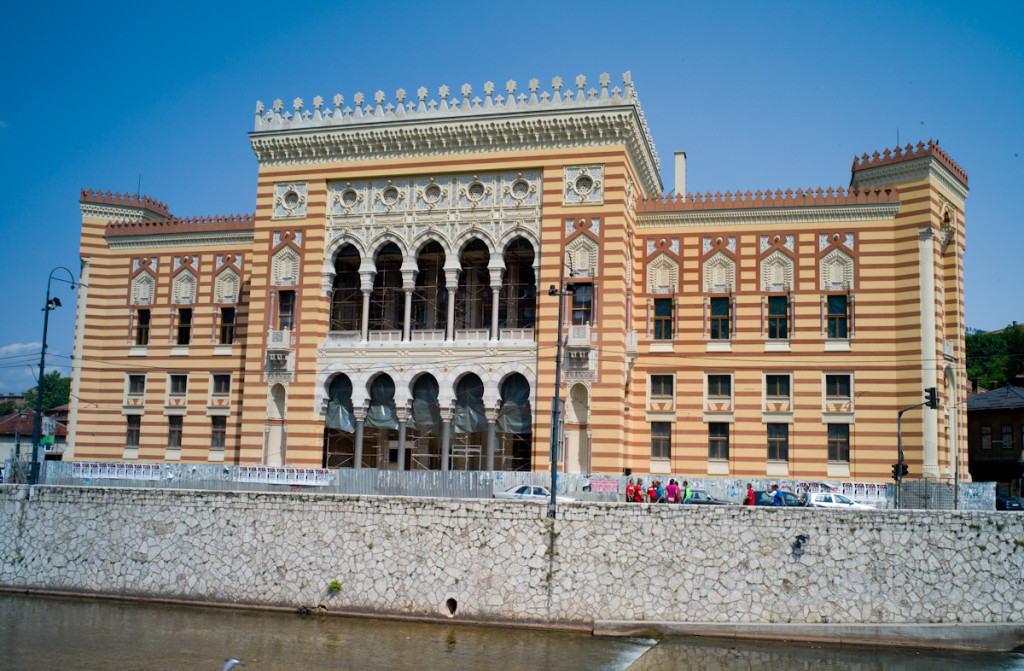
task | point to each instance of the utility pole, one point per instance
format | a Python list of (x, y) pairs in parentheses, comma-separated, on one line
[(556, 402), (899, 469)]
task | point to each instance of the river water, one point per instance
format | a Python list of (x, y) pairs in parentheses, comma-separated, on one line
[(91, 635)]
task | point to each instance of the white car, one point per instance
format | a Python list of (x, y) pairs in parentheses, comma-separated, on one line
[(531, 493), (826, 500)]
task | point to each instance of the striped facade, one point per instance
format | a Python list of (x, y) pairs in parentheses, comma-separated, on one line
[(398, 298)]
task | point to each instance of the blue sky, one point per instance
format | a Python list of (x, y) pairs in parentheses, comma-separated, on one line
[(760, 95)]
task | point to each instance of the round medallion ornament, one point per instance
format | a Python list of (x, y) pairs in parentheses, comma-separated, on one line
[(520, 189), (475, 191), (389, 196), (432, 193), (349, 197), (583, 185), (291, 199)]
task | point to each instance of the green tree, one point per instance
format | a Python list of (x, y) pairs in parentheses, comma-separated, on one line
[(995, 358), (7, 407), (56, 391)]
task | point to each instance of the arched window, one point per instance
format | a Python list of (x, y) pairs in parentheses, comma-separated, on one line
[(346, 298), (430, 298), (387, 302), (473, 298), (514, 425), (518, 307)]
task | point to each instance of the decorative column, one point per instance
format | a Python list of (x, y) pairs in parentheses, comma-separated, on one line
[(495, 268), (403, 417), (492, 436), (446, 433), (357, 457), (407, 333), (366, 286), (409, 270), (451, 277), (929, 352)]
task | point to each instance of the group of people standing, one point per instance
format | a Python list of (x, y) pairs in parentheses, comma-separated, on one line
[(656, 492)]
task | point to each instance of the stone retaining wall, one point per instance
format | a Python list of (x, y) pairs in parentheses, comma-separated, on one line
[(495, 560)]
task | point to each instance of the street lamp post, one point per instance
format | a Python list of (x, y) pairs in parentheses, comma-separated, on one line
[(51, 304), (556, 403)]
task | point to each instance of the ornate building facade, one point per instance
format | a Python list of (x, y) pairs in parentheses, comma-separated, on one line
[(394, 301)]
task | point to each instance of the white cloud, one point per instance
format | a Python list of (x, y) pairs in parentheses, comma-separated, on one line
[(20, 348)]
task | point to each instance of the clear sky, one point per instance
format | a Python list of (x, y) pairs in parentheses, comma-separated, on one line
[(760, 95)]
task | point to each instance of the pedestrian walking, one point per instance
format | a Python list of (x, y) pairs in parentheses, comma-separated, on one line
[(777, 498), (687, 492), (660, 496), (749, 500), (672, 492), (629, 491), (638, 491), (652, 492)]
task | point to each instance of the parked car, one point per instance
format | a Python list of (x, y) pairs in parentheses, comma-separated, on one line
[(1003, 503), (531, 493), (763, 498), (701, 497), (831, 500)]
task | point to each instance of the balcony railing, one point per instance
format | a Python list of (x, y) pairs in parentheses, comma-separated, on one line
[(472, 334), (384, 336), (279, 339), (579, 335)]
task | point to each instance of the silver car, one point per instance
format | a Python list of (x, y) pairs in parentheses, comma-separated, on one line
[(531, 493), (829, 500)]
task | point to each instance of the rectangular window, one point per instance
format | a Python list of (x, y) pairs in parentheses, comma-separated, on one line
[(136, 385), (661, 440), (837, 316), (837, 387), (184, 326), (134, 429), (221, 384), (839, 442), (1006, 434), (778, 442), (776, 386), (661, 386), (718, 440), (179, 385), (719, 386), (142, 327), (778, 317), (220, 431), (986, 437), (720, 317), (286, 311), (663, 319), (227, 326), (582, 304), (174, 431)]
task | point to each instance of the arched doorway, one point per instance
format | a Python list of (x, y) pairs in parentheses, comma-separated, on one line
[(346, 297), (514, 425), (473, 298), (339, 425), (430, 297), (469, 424), (380, 437), (518, 306), (423, 439), (387, 302)]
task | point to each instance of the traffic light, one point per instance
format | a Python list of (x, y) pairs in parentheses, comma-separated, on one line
[(931, 398), (903, 470), (896, 472)]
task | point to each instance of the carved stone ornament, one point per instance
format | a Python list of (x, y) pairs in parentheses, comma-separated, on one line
[(662, 275), (183, 290), (836, 271), (143, 289), (583, 185), (776, 272), (719, 274), (290, 200), (285, 268)]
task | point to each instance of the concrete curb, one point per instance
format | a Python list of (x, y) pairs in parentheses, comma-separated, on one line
[(989, 637)]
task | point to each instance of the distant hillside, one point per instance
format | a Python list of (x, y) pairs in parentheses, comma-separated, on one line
[(995, 357)]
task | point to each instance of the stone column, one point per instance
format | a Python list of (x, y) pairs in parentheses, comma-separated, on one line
[(403, 417), (495, 268), (357, 457), (492, 436), (451, 277), (365, 322), (406, 333), (446, 434), (929, 352)]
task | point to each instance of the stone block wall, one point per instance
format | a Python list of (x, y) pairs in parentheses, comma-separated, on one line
[(496, 560)]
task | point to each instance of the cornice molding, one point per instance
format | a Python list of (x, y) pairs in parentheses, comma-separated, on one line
[(184, 239), (93, 210), (768, 216), (505, 132), (927, 167)]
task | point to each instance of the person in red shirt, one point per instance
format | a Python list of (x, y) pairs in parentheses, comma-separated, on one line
[(638, 491), (749, 500), (629, 491), (652, 492)]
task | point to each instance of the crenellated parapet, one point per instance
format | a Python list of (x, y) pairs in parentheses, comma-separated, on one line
[(458, 123), (121, 206), (233, 222), (908, 153), (769, 199)]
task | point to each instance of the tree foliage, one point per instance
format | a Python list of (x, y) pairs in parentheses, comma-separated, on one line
[(56, 391), (995, 358)]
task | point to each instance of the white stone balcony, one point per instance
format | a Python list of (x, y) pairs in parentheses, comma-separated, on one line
[(631, 342), (279, 339), (384, 336), (475, 335), (947, 349), (428, 335), (518, 335), (579, 335)]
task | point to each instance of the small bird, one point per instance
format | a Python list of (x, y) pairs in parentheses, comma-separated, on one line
[(231, 663)]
